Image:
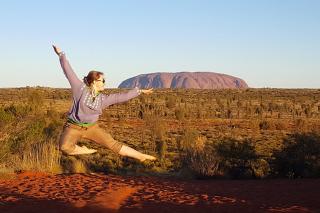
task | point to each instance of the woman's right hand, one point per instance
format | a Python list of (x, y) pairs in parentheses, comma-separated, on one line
[(57, 49), (147, 91)]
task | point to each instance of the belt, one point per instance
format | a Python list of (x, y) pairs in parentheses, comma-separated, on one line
[(69, 120)]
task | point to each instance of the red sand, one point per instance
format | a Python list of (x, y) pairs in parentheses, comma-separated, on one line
[(37, 192)]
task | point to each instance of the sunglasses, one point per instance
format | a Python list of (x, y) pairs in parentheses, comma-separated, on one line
[(103, 81)]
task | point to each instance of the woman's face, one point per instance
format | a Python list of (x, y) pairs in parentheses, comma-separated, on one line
[(99, 83)]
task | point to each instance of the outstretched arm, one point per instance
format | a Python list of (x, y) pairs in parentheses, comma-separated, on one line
[(123, 97), (74, 81)]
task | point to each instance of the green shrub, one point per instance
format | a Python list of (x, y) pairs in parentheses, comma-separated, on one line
[(261, 168), (5, 117), (32, 134), (300, 156), (18, 111), (35, 99), (237, 157)]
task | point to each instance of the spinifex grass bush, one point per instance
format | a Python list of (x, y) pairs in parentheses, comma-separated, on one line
[(300, 156), (203, 162), (44, 157), (73, 164), (197, 158), (161, 147)]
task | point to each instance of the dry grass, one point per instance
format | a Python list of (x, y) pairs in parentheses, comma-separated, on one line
[(44, 157), (6, 173), (78, 166)]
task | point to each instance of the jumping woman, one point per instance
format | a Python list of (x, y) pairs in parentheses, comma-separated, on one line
[(87, 106)]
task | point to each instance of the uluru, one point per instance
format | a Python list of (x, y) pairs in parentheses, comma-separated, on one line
[(188, 80)]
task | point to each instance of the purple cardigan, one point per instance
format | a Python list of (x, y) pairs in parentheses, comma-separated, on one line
[(84, 109)]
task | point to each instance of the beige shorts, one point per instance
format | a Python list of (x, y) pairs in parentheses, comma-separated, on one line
[(72, 133)]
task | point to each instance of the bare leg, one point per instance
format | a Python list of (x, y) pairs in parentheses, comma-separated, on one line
[(129, 152)]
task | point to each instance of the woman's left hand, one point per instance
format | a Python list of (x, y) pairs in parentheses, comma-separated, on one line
[(147, 91)]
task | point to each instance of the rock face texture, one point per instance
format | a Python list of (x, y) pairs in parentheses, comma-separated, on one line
[(196, 80)]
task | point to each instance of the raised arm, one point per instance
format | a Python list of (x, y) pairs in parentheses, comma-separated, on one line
[(73, 79), (111, 99)]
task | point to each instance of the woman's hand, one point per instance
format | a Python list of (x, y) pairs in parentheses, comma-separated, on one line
[(57, 49), (146, 91)]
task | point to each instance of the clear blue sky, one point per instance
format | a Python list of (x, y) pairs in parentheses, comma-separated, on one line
[(268, 43)]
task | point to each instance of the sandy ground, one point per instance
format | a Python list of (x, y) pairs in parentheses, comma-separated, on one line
[(36, 192)]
